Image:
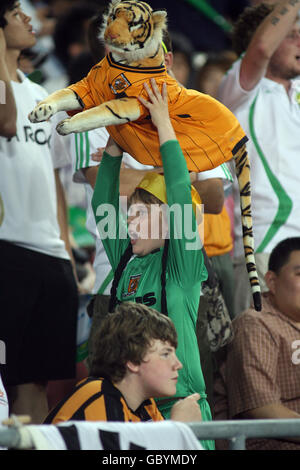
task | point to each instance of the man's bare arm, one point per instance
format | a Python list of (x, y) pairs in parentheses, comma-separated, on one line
[(8, 110), (265, 41), (211, 190), (212, 194), (129, 178)]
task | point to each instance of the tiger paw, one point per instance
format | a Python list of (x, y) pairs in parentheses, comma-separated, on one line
[(64, 127), (42, 112)]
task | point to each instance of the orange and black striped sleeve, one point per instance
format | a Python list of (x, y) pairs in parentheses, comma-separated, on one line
[(86, 403)]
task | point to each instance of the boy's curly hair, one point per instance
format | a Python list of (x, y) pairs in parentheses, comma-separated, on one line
[(5, 6), (247, 24), (126, 335)]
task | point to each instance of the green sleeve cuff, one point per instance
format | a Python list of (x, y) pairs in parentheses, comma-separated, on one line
[(106, 155), (169, 144)]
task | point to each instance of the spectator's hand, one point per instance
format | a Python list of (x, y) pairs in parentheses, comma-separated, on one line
[(158, 104), (97, 156), (158, 108), (187, 410), (112, 148)]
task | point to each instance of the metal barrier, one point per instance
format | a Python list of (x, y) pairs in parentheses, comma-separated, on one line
[(235, 431), (238, 431)]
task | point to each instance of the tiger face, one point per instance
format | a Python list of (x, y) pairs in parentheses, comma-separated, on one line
[(132, 28)]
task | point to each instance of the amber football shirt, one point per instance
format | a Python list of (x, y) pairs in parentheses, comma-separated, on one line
[(208, 133), (96, 399)]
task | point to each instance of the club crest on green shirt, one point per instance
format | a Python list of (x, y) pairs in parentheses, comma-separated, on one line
[(133, 283)]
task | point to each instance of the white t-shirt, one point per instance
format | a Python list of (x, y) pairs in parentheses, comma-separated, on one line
[(271, 120), (28, 204), (81, 148)]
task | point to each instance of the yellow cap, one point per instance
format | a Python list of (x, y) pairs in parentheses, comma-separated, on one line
[(155, 184)]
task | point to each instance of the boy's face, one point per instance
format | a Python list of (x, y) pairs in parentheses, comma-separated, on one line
[(158, 372), (147, 228), (285, 286), (18, 31)]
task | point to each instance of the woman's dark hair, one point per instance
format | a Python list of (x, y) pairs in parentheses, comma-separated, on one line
[(126, 335), (281, 253), (96, 45), (181, 44), (79, 66), (246, 25), (146, 198), (5, 5), (71, 28)]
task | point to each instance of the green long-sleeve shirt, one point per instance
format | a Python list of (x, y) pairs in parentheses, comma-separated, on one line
[(141, 279)]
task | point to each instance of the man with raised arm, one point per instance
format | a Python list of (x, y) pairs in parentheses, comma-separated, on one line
[(262, 92)]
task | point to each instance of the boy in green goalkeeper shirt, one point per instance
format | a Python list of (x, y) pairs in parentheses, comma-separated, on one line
[(168, 268)]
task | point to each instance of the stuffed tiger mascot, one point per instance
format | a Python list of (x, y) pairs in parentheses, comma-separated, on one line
[(208, 133)]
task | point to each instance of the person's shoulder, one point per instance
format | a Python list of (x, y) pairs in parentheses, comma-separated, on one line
[(36, 89), (152, 409), (267, 319), (91, 384), (230, 81), (249, 316), (233, 70), (231, 93)]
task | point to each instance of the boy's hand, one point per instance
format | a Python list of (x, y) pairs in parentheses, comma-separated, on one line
[(158, 104), (187, 410), (158, 108)]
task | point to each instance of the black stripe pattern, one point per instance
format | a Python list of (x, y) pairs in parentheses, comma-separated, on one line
[(70, 437)]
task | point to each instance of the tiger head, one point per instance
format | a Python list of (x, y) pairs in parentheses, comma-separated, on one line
[(132, 30)]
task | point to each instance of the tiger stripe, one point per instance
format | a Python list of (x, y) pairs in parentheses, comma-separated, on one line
[(242, 166)]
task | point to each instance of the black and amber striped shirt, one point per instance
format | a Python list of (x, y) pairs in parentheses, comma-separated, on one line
[(96, 399)]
